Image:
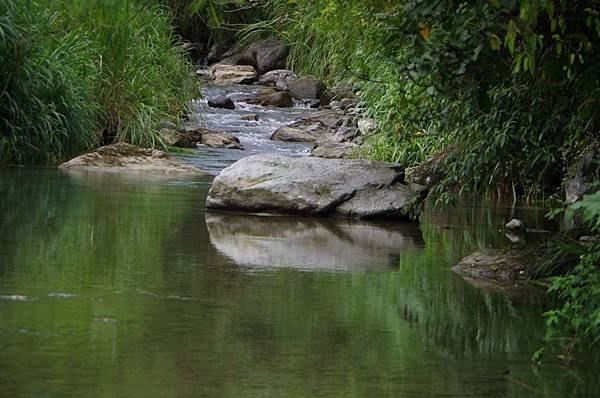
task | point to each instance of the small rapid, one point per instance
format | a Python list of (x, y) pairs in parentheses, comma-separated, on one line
[(254, 135)]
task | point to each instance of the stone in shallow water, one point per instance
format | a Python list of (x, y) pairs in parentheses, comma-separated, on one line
[(313, 186), (123, 157)]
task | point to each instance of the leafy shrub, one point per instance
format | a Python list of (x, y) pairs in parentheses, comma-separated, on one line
[(574, 327)]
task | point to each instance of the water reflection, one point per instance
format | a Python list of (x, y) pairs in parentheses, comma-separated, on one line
[(311, 243), (133, 294)]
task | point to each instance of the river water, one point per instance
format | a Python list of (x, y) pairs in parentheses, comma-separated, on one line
[(121, 286)]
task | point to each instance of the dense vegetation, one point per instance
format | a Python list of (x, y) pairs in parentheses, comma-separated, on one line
[(78, 73)]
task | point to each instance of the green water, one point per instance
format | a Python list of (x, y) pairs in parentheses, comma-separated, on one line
[(124, 287)]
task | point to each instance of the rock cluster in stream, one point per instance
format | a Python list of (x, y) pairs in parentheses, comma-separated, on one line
[(335, 130)]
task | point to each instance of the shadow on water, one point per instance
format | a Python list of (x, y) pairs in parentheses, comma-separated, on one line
[(117, 287)]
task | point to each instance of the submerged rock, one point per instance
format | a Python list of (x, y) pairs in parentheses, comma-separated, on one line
[(491, 267), (313, 186), (123, 157)]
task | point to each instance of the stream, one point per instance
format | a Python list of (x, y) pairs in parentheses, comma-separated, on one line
[(125, 286)]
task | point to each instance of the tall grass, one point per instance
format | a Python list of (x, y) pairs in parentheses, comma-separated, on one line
[(81, 73), (47, 107)]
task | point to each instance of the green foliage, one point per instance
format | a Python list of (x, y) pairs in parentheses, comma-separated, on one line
[(81, 72), (512, 86), (574, 327), (47, 110)]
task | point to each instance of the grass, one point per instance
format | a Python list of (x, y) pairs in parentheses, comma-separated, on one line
[(82, 73)]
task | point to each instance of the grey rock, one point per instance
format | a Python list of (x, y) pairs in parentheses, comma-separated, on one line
[(221, 101), (301, 131), (313, 186), (123, 157), (269, 54), (278, 78), (306, 87)]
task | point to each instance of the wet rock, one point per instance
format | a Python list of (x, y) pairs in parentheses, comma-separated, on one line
[(123, 157), (516, 226), (233, 74), (495, 266), (278, 78), (220, 140), (252, 117), (306, 87), (221, 101), (301, 131), (278, 99), (313, 186)]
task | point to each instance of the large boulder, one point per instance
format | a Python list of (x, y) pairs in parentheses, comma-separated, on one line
[(306, 87), (268, 54), (313, 186), (233, 74), (123, 157), (264, 55), (273, 98)]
